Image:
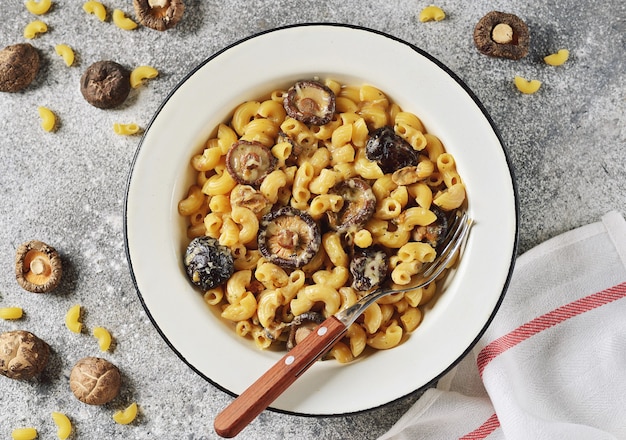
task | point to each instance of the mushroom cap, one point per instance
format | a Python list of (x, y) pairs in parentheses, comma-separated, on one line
[(38, 267), (208, 263), (22, 354), (289, 237), (310, 102), (359, 204), (19, 64), (159, 15), (389, 150), (105, 84), (249, 162), (520, 39), (369, 267), (95, 381)]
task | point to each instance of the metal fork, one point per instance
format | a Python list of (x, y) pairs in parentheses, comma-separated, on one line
[(279, 377)]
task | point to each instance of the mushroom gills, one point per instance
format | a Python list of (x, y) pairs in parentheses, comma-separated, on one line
[(249, 162), (288, 237), (310, 102)]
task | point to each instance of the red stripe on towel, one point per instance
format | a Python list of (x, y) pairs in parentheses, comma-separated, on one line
[(490, 425), (543, 322)]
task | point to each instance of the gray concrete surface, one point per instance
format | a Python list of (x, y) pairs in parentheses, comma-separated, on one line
[(67, 188)]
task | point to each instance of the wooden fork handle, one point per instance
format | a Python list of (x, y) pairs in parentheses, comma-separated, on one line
[(278, 378)]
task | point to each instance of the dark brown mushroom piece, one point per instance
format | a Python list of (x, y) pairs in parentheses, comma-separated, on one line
[(289, 237), (435, 233), (248, 162), (19, 65), (208, 264), (38, 267), (310, 102), (159, 15), (95, 381), (503, 35), (249, 197), (369, 268), (301, 326), (105, 84), (389, 150), (22, 355), (359, 204)]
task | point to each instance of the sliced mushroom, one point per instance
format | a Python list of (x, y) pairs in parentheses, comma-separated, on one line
[(249, 162), (369, 268), (249, 197), (19, 64), (301, 326), (208, 264), (38, 267), (359, 204), (435, 233), (159, 14), (390, 151), (503, 35), (289, 237), (310, 102)]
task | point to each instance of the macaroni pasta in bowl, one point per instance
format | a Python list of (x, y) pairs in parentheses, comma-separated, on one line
[(307, 199)]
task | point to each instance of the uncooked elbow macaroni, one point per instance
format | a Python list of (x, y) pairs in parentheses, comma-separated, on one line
[(261, 299), (35, 28), (38, 7), (96, 8), (122, 21)]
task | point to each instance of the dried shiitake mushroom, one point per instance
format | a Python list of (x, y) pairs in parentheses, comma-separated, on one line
[(105, 84), (19, 65), (95, 381), (159, 14), (38, 266), (22, 354), (499, 34), (289, 237), (310, 102)]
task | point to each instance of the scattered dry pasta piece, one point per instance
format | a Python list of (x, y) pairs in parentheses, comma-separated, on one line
[(525, 86), (38, 7), (122, 21), (48, 119), (35, 28), (126, 129), (66, 53), (11, 312), (556, 59), (64, 425), (126, 416), (24, 434), (72, 319), (95, 8), (141, 73), (432, 13), (104, 338)]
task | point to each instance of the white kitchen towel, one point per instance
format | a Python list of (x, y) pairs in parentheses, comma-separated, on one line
[(552, 364)]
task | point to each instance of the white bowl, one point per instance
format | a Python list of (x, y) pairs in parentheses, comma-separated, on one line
[(161, 175)]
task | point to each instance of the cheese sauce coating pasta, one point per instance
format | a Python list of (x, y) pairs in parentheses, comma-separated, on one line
[(356, 195)]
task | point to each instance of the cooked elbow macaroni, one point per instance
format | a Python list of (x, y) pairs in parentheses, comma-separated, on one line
[(261, 299)]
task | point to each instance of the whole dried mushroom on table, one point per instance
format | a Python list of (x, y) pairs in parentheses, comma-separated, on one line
[(159, 14), (38, 266), (19, 65), (499, 34), (22, 354), (95, 381), (105, 84)]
